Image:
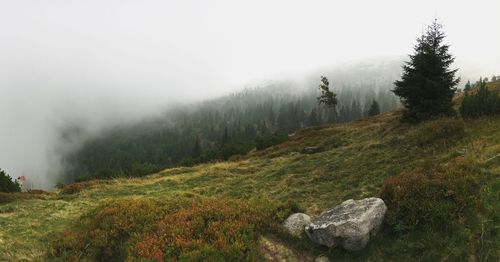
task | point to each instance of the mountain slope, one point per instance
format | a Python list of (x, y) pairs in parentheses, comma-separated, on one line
[(353, 162)]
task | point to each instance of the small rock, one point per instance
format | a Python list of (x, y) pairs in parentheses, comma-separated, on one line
[(312, 149), (296, 223), (322, 259), (349, 224)]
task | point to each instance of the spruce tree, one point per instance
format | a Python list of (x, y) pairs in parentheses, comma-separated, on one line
[(225, 136), (467, 87), (314, 118), (328, 98), (428, 84), (374, 109), (196, 151), (7, 184), (481, 103)]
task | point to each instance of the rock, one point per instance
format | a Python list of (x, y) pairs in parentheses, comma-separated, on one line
[(296, 223), (322, 259), (349, 224), (312, 149)]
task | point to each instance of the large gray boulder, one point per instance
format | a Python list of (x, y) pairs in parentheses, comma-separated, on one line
[(349, 224), (296, 223)]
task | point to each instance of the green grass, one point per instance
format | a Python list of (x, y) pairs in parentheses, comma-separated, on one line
[(358, 157)]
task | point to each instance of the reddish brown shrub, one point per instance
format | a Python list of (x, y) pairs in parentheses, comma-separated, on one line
[(204, 231), (178, 229), (103, 233), (436, 197)]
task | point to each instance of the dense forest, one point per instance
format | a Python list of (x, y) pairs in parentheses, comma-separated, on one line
[(213, 130), (229, 126), (218, 129)]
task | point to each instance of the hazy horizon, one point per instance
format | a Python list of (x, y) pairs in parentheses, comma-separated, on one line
[(99, 63)]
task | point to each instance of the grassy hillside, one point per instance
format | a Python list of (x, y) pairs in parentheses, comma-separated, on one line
[(494, 85), (354, 162)]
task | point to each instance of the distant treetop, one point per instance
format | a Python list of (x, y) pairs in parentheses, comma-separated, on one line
[(327, 97)]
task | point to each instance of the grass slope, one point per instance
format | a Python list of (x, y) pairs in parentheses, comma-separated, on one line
[(355, 160)]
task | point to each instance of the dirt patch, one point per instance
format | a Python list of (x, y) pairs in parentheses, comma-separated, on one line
[(275, 250)]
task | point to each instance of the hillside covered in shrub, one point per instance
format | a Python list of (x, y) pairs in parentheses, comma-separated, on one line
[(439, 179)]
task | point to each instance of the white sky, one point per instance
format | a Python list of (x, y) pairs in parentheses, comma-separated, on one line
[(99, 60)]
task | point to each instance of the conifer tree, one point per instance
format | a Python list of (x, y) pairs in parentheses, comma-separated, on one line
[(356, 112), (7, 184), (196, 151), (314, 118), (374, 109), (328, 98), (481, 103), (225, 136), (427, 85), (468, 86)]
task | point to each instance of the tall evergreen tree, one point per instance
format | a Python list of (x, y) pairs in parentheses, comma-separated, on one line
[(328, 98), (427, 86)]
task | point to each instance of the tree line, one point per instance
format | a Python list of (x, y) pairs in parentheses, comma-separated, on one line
[(218, 129)]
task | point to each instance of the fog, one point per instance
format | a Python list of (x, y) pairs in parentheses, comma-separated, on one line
[(98, 63)]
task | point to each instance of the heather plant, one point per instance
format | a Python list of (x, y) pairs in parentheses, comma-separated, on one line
[(213, 230), (175, 230), (436, 197), (103, 234)]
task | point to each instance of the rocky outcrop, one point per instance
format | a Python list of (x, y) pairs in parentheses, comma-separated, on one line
[(349, 224), (296, 223)]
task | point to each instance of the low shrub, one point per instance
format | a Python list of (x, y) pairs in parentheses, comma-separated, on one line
[(482, 103), (74, 188), (212, 230), (235, 158), (7, 197), (178, 229), (263, 142), (436, 198), (236, 148), (10, 197), (142, 169), (102, 234), (38, 192)]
